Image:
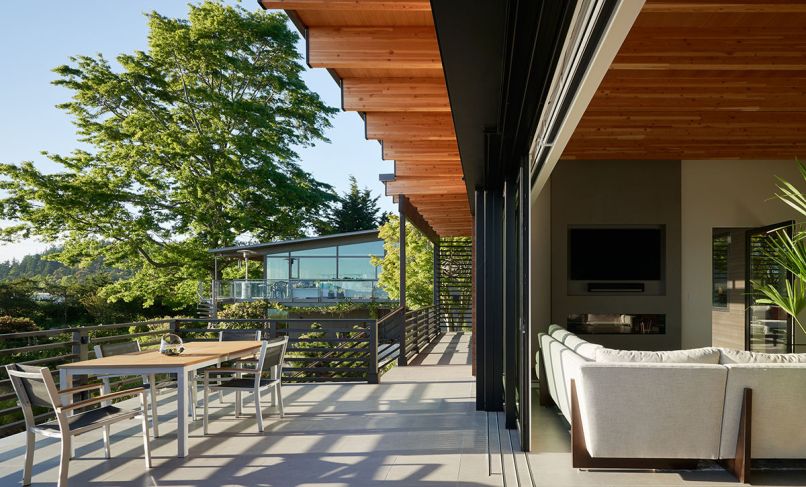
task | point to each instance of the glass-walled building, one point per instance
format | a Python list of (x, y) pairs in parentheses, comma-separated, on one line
[(327, 269)]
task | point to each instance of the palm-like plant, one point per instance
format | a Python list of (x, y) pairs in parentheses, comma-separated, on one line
[(788, 250)]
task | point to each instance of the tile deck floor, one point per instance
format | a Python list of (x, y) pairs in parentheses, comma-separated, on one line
[(418, 427)]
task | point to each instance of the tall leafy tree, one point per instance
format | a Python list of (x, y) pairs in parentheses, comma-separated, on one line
[(419, 264), (356, 210), (191, 146)]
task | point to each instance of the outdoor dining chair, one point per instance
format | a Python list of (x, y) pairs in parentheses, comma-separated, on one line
[(120, 348), (34, 387), (269, 362), (235, 335)]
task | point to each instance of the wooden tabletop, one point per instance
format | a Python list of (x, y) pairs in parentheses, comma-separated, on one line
[(194, 353)]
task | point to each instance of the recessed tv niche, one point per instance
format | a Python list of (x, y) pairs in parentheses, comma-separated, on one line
[(616, 260)]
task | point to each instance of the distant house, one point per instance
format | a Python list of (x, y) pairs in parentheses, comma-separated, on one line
[(326, 269)]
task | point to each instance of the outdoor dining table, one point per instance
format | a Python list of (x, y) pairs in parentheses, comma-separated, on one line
[(197, 355)]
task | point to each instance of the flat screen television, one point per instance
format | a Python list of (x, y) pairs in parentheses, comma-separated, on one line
[(615, 254)]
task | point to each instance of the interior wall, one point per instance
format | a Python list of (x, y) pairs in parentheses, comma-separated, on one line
[(540, 264), (618, 193), (722, 194)]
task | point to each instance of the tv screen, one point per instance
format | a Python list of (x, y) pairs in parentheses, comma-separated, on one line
[(615, 254)]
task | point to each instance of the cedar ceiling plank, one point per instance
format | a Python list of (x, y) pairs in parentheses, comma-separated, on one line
[(354, 5), (395, 94), (422, 150), (413, 186), (734, 6), (410, 125), (373, 47)]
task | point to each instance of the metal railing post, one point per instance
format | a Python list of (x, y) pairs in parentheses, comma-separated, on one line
[(402, 360), (373, 375), (81, 351)]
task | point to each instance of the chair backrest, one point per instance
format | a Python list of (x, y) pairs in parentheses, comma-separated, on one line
[(272, 353), (119, 348), (34, 386), (238, 335)]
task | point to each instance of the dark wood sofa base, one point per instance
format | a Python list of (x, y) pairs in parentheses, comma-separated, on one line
[(738, 466)]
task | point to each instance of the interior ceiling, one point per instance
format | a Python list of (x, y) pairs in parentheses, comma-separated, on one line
[(703, 80), (385, 54)]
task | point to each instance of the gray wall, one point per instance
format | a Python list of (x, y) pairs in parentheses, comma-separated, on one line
[(540, 261), (618, 193)]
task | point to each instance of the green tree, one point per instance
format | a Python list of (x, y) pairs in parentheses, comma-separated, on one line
[(356, 210), (419, 264), (192, 147)]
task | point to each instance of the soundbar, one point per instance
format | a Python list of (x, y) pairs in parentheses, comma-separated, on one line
[(615, 287)]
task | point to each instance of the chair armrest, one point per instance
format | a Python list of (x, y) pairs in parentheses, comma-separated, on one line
[(104, 397), (208, 372), (85, 387)]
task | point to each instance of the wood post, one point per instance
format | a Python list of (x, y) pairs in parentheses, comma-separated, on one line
[(739, 466)]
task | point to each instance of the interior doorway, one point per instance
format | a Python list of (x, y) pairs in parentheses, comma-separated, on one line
[(741, 257)]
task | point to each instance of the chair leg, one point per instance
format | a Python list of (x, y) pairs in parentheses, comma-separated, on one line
[(30, 446), (152, 382), (258, 411), (237, 403), (279, 388), (146, 439), (193, 395), (206, 411), (64, 460), (107, 451)]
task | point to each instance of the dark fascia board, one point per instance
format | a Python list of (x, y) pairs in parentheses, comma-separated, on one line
[(297, 244), (498, 58), (471, 37)]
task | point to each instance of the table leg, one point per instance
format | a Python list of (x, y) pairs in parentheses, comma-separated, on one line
[(66, 382), (182, 413)]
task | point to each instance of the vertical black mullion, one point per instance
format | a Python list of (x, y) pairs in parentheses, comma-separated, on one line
[(481, 281), (510, 299), (437, 281), (524, 321), (493, 293)]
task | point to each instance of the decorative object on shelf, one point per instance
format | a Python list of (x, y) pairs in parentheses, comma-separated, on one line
[(171, 344)]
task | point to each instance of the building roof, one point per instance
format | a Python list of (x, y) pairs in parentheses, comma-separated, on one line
[(309, 242)]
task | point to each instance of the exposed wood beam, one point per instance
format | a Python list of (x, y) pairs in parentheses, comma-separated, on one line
[(395, 95), (373, 47), (417, 220), (405, 126), (357, 5), (421, 150), (428, 168), (414, 186)]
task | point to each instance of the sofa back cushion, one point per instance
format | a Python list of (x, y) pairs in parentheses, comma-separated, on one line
[(708, 355), (559, 333), (586, 349), (779, 394), (651, 410), (729, 356)]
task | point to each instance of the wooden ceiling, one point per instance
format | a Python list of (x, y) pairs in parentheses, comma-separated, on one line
[(386, 57), (703, 80)]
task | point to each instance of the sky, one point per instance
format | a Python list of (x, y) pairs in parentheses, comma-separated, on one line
[(37, 36)]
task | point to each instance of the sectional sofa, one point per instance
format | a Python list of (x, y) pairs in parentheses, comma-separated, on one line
[(635, 409)]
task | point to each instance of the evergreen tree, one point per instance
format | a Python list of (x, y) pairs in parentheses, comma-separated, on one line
[(356, 210)]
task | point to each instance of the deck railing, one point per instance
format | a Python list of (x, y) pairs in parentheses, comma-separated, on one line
[(319, 350), (421, 328)]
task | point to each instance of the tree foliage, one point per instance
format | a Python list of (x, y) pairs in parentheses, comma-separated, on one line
[(191, 146), (419, 264), (355, 210)]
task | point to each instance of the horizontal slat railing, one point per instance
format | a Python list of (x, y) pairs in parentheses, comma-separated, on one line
[(319, 350), (421, 328)]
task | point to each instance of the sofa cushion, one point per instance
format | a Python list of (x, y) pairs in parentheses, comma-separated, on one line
[(586, 349), (707, 355), (559, 333), (729, 356)]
